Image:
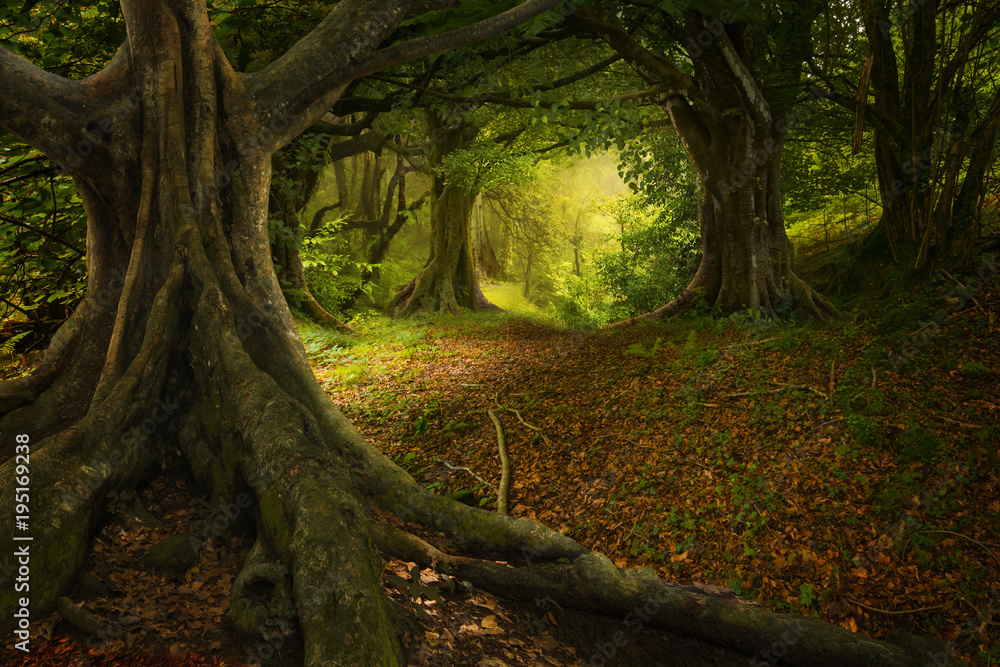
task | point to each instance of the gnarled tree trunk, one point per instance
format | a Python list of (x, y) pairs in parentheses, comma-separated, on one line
[(448, 281)]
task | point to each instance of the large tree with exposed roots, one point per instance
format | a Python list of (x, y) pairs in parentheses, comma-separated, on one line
[(184, 342)]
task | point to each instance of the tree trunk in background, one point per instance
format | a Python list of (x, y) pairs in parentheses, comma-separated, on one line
[(448, 282), (747, 259), (577, 242), (527, 275), (933, 147), (293, 186), (484, 257), (384, 231)]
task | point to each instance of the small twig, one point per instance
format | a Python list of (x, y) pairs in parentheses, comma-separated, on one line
[(832, 421), (751, 342), (630, 532), (902, 611), (464, 469), (983, 545), (504, 489), (955, 421), (807, 388), (533, 428), (833, 363), (783, 387), (966, 289), (520, 419)]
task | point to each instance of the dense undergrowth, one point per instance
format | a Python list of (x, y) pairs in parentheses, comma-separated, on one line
[(846, 471)]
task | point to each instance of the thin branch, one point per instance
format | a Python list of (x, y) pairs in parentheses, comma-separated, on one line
[(24, 177), (11, 167), (955, 280), (985, 546), (650, 66), (44, 233), (892, 612), (518, 103), (784, 387), (296, 90), (504, 489), (469, 470)]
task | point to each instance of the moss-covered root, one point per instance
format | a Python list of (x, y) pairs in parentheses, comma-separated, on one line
[(392, 489), (593, 583), (64, 486), (308, 512), (346, 617), (312, 521), (60, 485), (260, 597)]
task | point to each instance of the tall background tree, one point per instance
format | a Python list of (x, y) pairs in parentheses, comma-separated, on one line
[(928, 91), (727, 78)]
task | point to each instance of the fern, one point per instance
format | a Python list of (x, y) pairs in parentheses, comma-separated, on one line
[(7, 349), (638, 350)]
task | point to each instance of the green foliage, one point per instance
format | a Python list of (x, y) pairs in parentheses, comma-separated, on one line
[(866, 431), (8, 346), (974, 369), (806, 594), (415, 589), (656, 246), (755, 318), (581, 303), (638, 350), (68, 38), (43, 237), (919, 444), (485, 165), (656, 254), (332, 275)]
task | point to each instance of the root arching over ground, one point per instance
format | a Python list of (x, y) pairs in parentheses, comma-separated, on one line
[(184, 342)]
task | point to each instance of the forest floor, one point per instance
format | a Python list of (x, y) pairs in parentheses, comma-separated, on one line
[(845, 471), (834, 471)]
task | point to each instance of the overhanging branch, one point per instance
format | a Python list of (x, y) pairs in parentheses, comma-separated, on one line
[(40, 108), (425, 46), (650, 66), (297, 89)]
